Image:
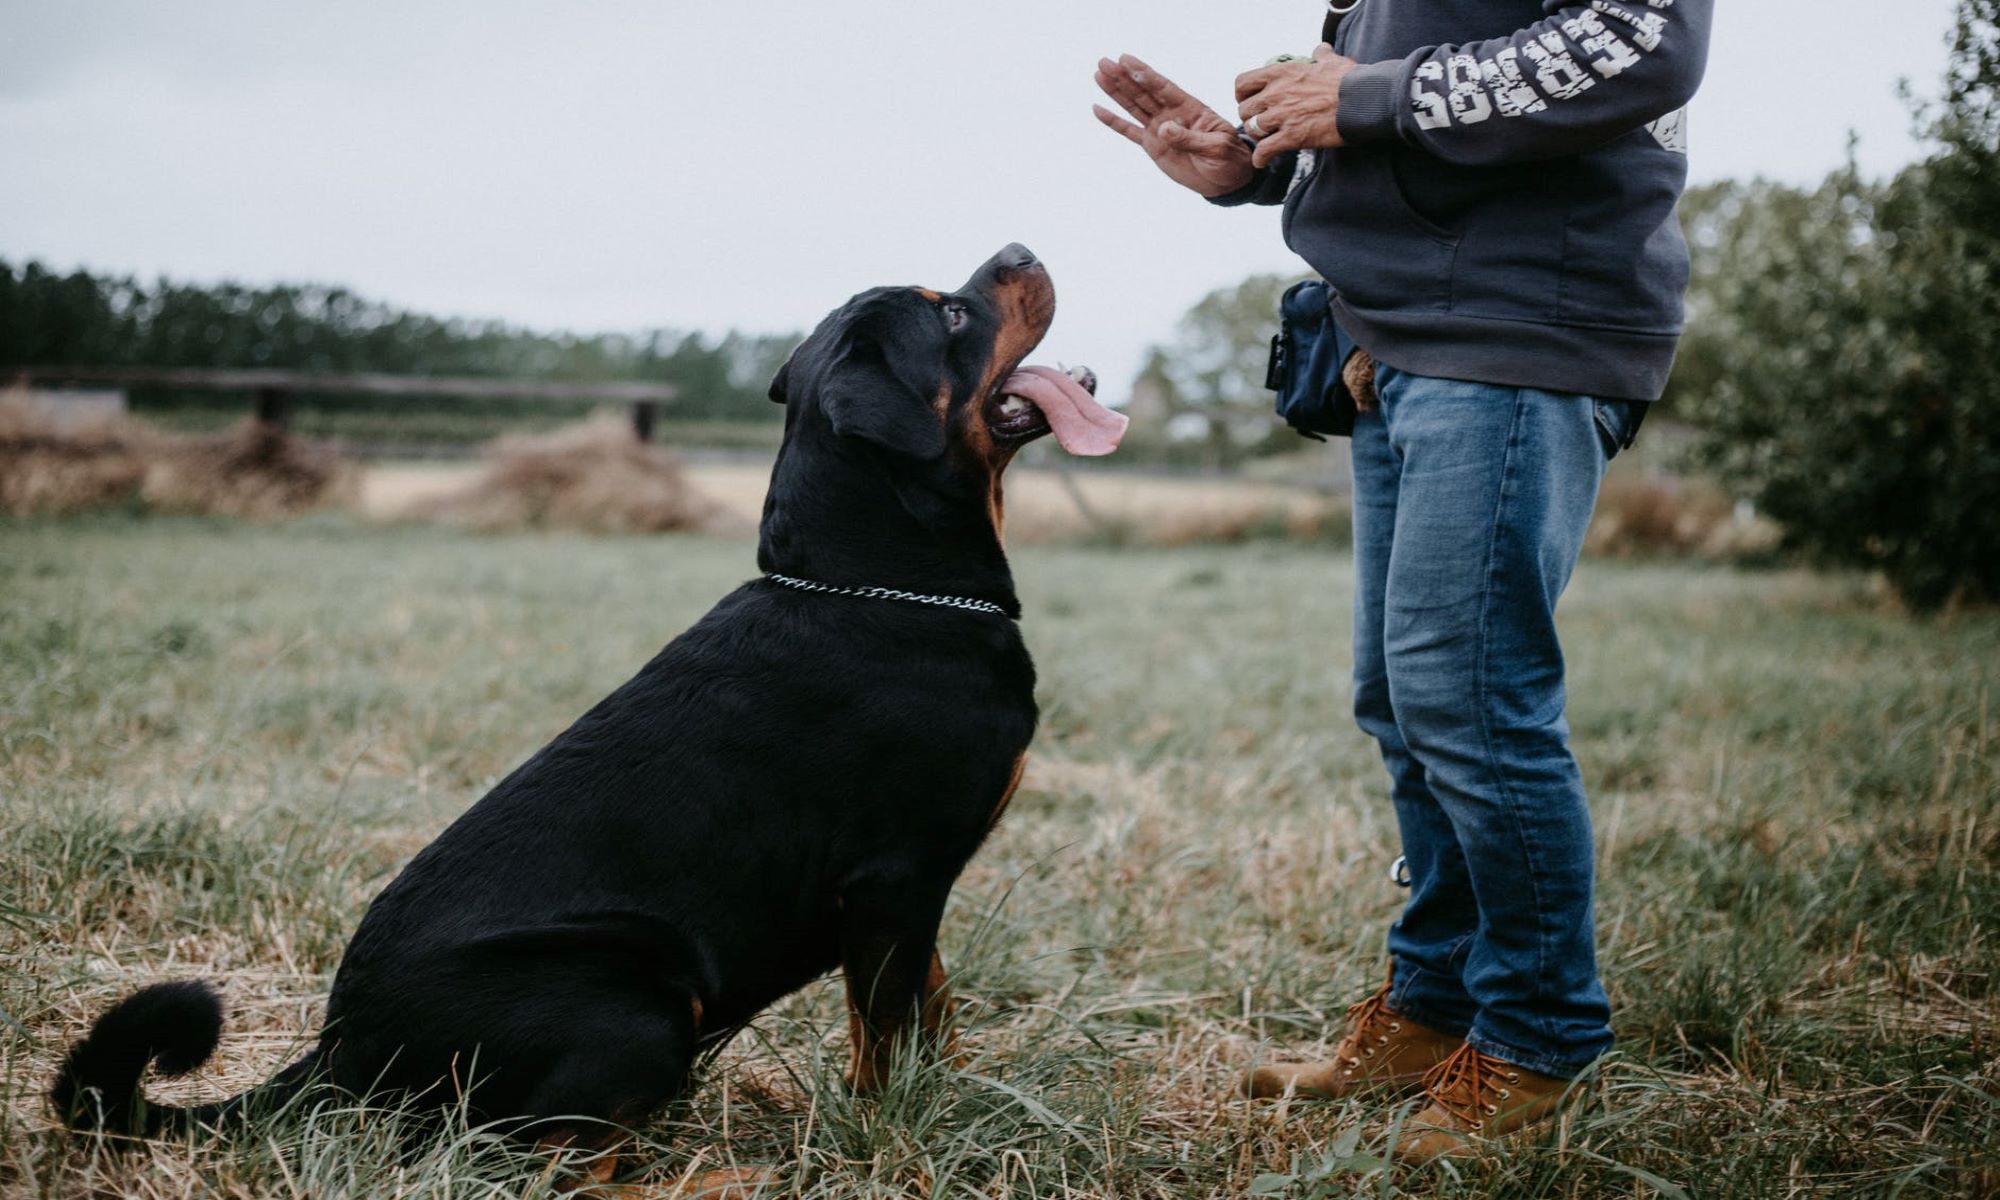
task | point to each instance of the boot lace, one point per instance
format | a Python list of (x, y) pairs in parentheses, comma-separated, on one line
[(1369, 1025), (1468, 1084)]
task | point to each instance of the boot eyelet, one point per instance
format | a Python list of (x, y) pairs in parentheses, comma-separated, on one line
[(1395, 1027), (1370, 1052), (1513, 1078), (1491, 1111), (1505, 1094), (1479, 1125), (1381, 1041)]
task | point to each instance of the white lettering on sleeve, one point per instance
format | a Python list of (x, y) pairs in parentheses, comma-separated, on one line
[(1469, 102), (1510, 91), (1432, 112), (1555, 70), (1609, 55)]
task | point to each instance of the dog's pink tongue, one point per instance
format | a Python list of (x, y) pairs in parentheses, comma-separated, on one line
[(1080, 423)]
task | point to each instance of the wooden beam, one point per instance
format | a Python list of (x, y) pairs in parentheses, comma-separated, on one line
[(274, 407), (261, 382)]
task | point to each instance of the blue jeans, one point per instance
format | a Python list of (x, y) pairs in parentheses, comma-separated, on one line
[(1470, 505)]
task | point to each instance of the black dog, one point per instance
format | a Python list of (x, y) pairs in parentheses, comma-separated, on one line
[(793, 784)]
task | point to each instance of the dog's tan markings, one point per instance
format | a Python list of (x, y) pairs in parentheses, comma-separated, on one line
[(928, 294), (996, 508), (588, 1178), (1007, 796), (860, 1055), (1027, 305), (980, 454), (939, 1008), (594, 1178), (873, 1042), (873, 1050), (694, 1003)]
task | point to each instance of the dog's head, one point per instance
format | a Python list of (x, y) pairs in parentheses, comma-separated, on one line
[(934, 379)]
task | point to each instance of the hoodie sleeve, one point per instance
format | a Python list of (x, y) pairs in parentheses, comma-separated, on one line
[(1268, 185), (1583, 75)]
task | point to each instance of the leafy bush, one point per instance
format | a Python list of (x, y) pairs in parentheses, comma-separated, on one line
[(1844, 350)]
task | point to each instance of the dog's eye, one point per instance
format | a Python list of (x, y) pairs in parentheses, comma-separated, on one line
[(955, 316)]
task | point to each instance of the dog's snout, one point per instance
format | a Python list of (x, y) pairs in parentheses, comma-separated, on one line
[(1016, 257), (1013, 260)]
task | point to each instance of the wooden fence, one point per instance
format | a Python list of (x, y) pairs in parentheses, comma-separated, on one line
[(273, 392)]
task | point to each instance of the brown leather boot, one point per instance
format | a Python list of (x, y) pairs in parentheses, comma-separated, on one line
[(1382, 1053), (1475, 1096)]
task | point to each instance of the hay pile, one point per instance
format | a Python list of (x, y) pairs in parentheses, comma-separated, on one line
[(50, 467), (1640, 516), (593, 476)]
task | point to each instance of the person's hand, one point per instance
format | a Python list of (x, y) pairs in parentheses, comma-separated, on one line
[(1293, 106), (1186, 139)]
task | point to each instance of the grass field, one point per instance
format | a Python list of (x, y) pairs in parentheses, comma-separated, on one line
[(218, 741)]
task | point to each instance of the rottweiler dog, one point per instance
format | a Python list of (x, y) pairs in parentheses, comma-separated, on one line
[(790, 786)]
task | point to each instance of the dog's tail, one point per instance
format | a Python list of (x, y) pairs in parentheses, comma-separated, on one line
[(174, 1028)]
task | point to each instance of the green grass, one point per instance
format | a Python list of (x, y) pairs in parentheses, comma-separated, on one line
[(218, 741)]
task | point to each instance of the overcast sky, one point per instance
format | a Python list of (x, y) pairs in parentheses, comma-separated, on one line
[(705, 165)]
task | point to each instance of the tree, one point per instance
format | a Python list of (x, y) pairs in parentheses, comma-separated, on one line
[(1844, 350), (48, 319), (1214, 370)]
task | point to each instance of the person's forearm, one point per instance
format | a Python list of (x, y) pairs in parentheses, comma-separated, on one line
[(1582, 76)]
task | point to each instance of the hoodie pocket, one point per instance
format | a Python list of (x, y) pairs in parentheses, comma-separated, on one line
[(1399, 180), (1355, 225)]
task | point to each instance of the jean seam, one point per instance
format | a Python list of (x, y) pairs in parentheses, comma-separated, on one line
[(1424, 1015), (1481, 694), (1541, 1063), (1402, 990)]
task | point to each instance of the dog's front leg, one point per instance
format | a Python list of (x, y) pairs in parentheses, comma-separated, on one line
[(895, 980)]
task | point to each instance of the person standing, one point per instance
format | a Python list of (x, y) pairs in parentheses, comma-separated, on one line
[(1489, 189)]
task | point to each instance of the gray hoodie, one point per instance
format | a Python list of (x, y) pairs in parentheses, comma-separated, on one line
[(1503, 209)]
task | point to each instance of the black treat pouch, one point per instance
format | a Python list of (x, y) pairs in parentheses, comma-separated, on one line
[(1306, 358)]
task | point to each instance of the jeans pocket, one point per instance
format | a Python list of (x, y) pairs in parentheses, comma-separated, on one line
[(1618, 424)]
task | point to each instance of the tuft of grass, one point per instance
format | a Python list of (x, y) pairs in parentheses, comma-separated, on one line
[(217, 742)]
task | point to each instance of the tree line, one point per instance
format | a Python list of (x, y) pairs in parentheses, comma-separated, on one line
[(77, 318)]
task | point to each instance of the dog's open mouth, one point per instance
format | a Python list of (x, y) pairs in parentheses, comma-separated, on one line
[(1038, 400)]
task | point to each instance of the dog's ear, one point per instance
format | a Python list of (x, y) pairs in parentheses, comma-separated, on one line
[(781, 382), (878, 389)]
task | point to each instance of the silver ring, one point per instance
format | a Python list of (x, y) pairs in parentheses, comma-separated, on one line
[(1254, 129), (1338, 11)]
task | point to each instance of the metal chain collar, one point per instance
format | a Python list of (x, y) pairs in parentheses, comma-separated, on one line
[(966, 603)]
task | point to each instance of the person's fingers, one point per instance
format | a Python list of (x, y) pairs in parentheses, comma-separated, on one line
[(1164, 91), (1196, 144), (1255, 105), (1177, 136), (1263, 125), (1249, 83), (1271, 147), (1324, 52), (1120, 126), (1117, 83), (1137, 86)]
